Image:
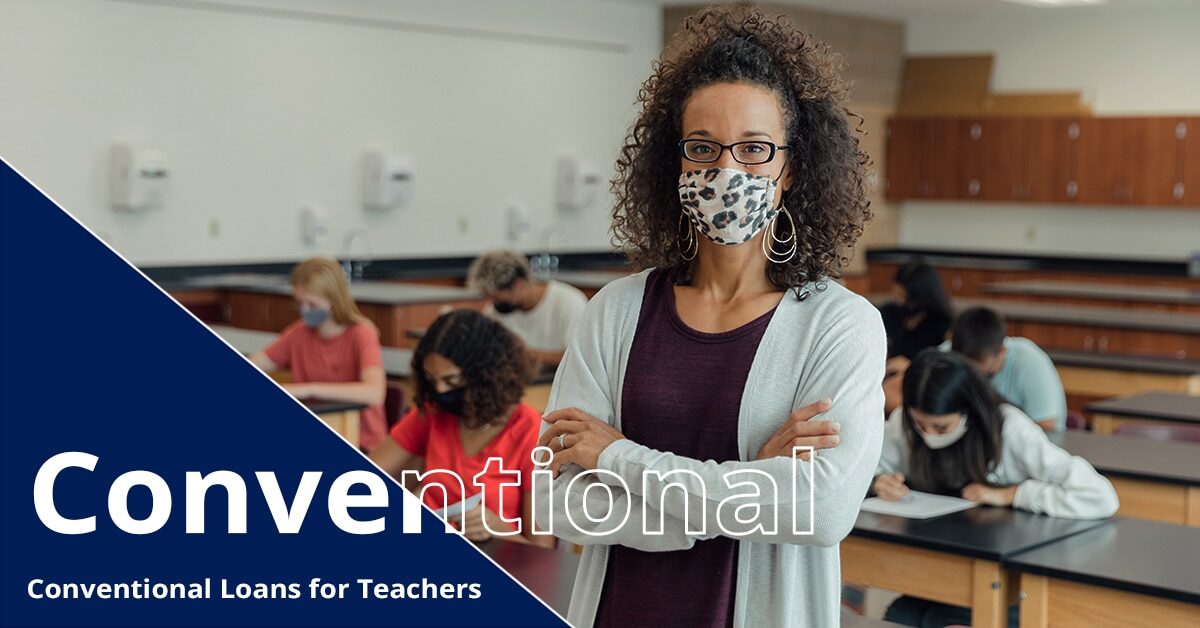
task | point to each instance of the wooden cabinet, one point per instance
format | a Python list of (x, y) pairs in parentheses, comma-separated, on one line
[(1017, 159), (1127, 161), (923, 158), (1100, 161)]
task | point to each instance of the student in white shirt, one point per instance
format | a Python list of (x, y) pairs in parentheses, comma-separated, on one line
[(543, 314), (954, 436)]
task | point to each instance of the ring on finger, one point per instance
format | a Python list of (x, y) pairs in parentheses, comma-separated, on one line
[(562, 441)]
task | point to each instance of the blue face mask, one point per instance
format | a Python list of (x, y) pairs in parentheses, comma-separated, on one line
[(314, 317)]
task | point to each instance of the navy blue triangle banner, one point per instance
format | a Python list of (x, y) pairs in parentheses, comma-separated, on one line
[(113, 400)]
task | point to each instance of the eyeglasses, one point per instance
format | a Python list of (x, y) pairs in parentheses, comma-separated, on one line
[(747, 153)]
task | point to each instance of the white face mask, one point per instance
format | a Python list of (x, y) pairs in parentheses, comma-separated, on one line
[(942, 441), (727, 205)]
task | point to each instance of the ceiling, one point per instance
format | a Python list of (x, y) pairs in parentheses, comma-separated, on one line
[(907, 9)]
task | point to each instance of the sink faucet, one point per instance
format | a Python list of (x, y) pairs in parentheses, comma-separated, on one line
[(545, 263), (352, 268)]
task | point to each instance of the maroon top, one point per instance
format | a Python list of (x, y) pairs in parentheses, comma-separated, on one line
[(682, 394)]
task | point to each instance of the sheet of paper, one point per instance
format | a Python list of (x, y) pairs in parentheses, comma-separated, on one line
[(917, 505), (466, 505)]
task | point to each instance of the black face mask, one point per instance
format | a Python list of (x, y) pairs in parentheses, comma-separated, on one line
[(504, 307), (451, 401)]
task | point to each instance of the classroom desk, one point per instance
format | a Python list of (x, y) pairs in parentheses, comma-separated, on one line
[(397, 363), (341, 416), (1088, 377), (1154, 480), (265, 303), (1150, 407), (1127, 572), (548, 573), (954, 559), (1127, 295)]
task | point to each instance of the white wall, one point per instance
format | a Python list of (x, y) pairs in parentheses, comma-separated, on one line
[(262, 106), (1127, 62)]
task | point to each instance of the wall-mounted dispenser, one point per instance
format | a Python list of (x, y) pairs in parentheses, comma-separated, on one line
[(576, 184), (387, 180), (138, 177), (314, 224)]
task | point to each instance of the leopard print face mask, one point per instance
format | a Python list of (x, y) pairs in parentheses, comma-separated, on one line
[(728, 206)]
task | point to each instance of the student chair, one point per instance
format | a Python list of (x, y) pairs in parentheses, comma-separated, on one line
[(1160, 432), (395, 403)]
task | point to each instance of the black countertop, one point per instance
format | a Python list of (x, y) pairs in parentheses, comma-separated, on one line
[(324, 406), (1085, 290), (1135, 555), (374, 292), (1080, 315), (1117, 362), (1135, 458), (176, 277), (1162, 406), (397, 363), (1009, 261), (981, 532)]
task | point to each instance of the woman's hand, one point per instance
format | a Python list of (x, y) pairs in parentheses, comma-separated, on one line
[(583, 437), (990, 495), (473, 527), (800, 431), (890, 486)]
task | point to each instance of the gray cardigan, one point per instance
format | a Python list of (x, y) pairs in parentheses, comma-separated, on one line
[(829, 345)]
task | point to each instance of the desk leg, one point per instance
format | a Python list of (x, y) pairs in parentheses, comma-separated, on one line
[(1193, 507), (345, 424), (1035, 601), (989, 607)]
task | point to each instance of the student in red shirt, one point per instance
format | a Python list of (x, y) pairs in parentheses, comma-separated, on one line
[(470, 373), (333, 351)]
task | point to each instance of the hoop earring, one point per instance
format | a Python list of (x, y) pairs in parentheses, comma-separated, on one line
[(769, 251), (690, 243)]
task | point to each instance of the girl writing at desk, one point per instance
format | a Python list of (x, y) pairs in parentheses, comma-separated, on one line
[(333, 351), (954, 436)]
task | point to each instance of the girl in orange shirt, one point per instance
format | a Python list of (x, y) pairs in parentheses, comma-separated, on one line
[(470, 373)]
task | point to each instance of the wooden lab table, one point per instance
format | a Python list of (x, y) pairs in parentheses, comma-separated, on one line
[(1149, 407), (955, 559), (1128, 572)]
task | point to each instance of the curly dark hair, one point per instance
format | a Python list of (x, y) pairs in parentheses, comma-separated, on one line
[(739, 44), (494, 363)]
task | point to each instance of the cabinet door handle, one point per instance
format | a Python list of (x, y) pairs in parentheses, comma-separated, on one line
[(1073, 131), (1087, 343), (1181, 131), (977, 131), (1178, 191), (1072, 189), (973, 187), (1103, 344), (1016, 190)]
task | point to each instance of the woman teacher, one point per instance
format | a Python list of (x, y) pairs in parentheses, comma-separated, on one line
[(686, 386)]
